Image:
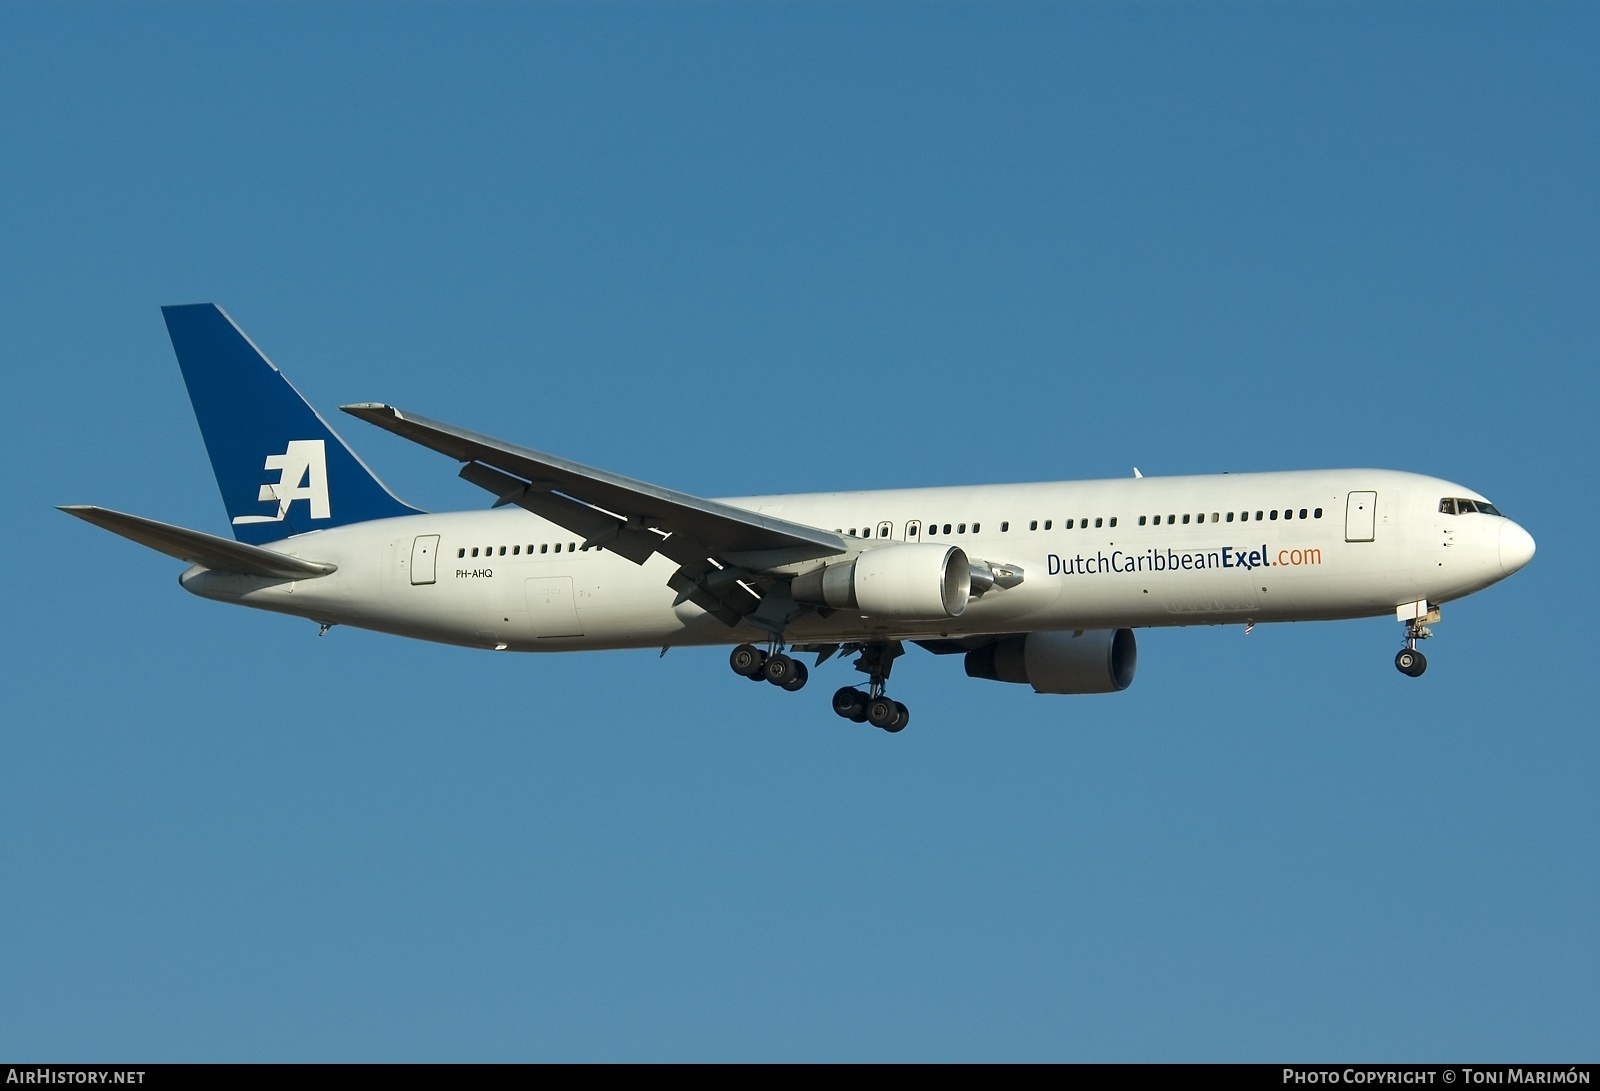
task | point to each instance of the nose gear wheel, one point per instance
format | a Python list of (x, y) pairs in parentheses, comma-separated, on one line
[(1409, 661)]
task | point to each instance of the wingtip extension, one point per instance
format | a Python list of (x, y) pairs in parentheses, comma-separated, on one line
[(370, 409)]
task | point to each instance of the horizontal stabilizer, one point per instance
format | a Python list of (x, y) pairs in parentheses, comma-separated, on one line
[(197, 547)]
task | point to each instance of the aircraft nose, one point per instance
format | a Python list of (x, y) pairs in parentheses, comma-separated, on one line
[(1516, 547)]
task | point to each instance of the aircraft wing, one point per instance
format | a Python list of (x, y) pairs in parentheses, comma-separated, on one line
[(198, 547), (715, 544)]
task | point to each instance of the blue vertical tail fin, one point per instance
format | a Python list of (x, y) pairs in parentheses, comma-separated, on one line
[(281, 468)]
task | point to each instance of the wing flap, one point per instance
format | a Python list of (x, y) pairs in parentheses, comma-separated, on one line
[(596, 527), (198, 547)]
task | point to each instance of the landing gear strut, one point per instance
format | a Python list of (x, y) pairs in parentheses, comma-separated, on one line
[(869, 706), (1409, 661), (874, 706)]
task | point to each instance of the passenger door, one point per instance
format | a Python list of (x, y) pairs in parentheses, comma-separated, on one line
[(1361, 517), (424, 559)]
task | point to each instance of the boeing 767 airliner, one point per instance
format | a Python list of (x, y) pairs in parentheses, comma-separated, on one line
[(1039, 584)]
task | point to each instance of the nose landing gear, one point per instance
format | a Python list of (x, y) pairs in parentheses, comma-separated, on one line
[(1416, 615), (1410, 662)]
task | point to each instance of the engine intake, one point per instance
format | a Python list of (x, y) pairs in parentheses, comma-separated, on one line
[(910, 582), (1081, 661)]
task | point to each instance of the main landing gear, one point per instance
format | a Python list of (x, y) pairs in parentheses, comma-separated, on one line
[(1409, 661), (772, 666), (874, 706), (863, 708), (871, 706)]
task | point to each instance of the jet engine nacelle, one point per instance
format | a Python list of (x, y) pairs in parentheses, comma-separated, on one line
[(908, 582), (1084, 661)]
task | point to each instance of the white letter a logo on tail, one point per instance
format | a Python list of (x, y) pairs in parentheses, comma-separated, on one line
[(302, 475)]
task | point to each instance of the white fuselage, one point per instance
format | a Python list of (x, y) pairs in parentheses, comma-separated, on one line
[(1093, 555)]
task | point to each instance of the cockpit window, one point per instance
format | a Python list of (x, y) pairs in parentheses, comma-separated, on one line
[(1458, 505)]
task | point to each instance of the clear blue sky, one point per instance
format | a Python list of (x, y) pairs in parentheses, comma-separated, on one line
[(744, 248)]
